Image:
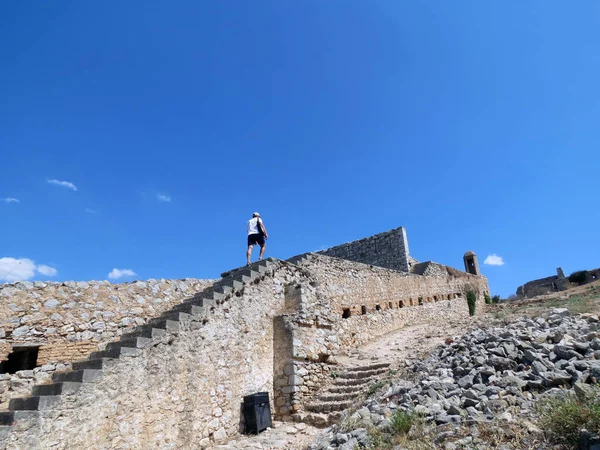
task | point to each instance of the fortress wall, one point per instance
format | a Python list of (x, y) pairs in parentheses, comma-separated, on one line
[(351, 285), (185, 390), (68, 320), (538, 287), (388, 249), (343, 312)]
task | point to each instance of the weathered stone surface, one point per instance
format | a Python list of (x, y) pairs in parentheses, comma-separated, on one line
[(506, 393), (191, 380)]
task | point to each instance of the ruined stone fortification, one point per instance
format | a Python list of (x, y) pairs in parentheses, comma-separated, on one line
[(388, 249), (555, 283), (64, 322), (177, 380)]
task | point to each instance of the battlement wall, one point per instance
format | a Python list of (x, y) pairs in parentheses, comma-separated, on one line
[(275, 327), (363, 288), (388, 249)]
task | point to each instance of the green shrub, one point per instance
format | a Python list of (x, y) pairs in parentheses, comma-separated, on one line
[(401, 422), (578, 277), (488, 299), (496, 299), (471, 301), (374, 387), (563, 416)]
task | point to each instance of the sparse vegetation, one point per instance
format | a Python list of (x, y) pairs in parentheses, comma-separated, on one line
[(397, 433), (401, 422), (471, 301), (564, 416), (496, 299), (375, 387), (488, 299), (578, 277)]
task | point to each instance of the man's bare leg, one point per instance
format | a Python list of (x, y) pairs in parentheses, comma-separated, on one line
[(249, 253), (262, 252)]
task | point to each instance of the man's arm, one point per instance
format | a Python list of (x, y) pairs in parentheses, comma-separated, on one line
[(264, 230)]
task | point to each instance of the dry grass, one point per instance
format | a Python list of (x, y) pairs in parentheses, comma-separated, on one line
[(584, 299)]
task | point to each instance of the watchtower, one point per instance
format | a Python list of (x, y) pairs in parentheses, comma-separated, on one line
[(471, 263)]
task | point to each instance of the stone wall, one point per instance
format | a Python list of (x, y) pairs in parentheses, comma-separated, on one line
[(68, 320), (389, 249), (349, 285), (348, 304), (555, 283), (280, 333), (538, 287), (19, 384), (182, 392)]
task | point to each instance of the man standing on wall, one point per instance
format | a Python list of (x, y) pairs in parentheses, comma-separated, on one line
[(257, 234)]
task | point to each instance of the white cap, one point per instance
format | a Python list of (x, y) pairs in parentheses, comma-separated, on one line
[(255, 214)]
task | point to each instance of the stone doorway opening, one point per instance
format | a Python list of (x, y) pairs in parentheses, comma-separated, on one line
[(21, 358)]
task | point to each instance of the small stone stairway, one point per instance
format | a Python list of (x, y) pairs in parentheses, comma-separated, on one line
[(47, 396), (343, 392)]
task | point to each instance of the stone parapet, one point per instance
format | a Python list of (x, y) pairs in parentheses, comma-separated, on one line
[(388, 249)]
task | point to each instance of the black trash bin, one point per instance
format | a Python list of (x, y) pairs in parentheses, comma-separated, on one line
[(257, 412)]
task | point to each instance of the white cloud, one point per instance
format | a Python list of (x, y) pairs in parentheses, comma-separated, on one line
[(46, 270), (66, 184), (10, 200), (91, 211), (12, 269), (120, 273), (494, 260), (163, 198)]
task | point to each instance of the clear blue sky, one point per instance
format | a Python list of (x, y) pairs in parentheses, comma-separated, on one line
[(473, 124)]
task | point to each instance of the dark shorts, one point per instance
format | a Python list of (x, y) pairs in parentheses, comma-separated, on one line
[(254, 239)]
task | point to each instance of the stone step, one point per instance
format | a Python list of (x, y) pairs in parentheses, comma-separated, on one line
[(116, 352), (176, 316), (36, 403), (325, 407), (359, 375), (82, 376), (218, 297), (61, 388), (236, 283), (7, 418), (146, 331), (268, 262), (136, 342), (338, 397), (246, 270), (223, 289), (98, 364), (262, 269), (246, 274), (190, 308), (165, 324), (352, 381), (367, 368), (346, 389)]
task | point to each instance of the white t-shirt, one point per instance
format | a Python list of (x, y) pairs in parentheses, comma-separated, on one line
[(252, 226)]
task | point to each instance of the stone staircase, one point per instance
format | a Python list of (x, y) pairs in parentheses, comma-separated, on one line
[(198, 308), (343, 393)]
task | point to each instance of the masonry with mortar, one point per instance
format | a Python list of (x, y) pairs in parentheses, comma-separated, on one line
[(169, 362)]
